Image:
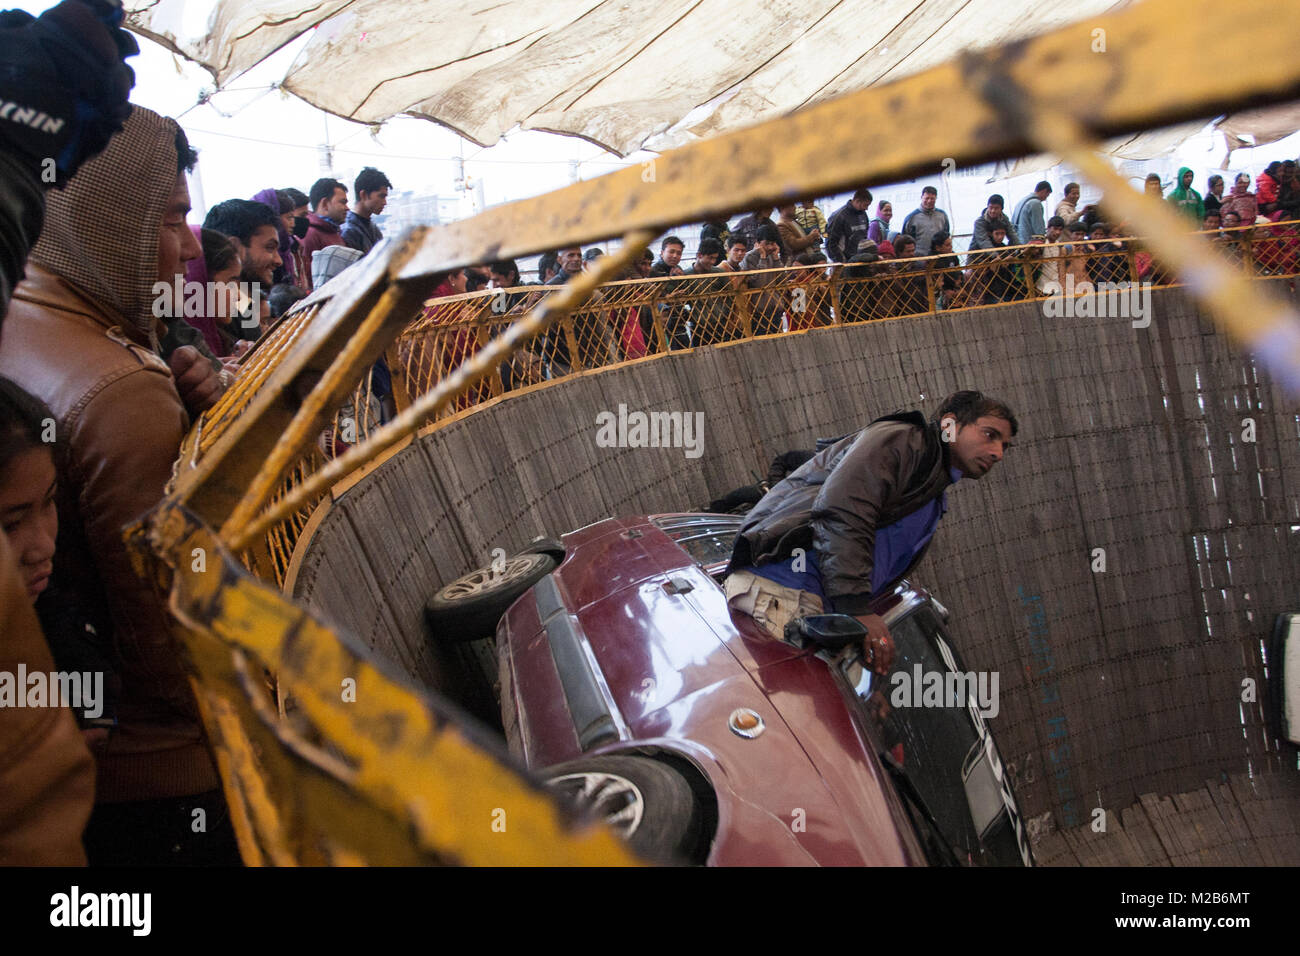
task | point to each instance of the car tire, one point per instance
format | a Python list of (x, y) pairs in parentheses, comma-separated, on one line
[(468, 608), (544, 545), (645, 801)]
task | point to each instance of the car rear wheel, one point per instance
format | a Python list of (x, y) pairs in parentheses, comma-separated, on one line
[(646, 802), (469, 607)]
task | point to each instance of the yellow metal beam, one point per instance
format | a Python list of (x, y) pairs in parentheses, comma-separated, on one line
[(403, 779), (309, 382), (1249, 312)]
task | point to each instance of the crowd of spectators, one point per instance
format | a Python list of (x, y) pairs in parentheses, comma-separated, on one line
[(782, 268)]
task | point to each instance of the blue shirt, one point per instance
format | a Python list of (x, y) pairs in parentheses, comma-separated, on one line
[(897, 545)]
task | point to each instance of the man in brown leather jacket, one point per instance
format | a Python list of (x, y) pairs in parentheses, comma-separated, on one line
[(844, 527), (70, 62), (81, 334)]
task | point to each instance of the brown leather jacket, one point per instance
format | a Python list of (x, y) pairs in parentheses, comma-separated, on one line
[(47, 778), (836, 500), (120, 421), (78, 335)]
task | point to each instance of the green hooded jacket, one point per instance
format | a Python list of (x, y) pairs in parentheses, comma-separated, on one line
[(1187, 201)]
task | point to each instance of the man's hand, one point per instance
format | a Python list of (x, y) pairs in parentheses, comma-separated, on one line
[(196, 380), (878, 647)]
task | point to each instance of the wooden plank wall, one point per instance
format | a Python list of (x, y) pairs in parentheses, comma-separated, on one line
[(1117, 685)]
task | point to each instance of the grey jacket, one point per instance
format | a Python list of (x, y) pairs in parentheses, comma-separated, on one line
[(836, 501), (982, 233), (922, 226)]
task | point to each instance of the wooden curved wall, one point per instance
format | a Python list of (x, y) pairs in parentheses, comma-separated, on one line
[(1120, 689)]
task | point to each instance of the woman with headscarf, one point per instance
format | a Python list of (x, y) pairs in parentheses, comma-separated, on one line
[(878, 231), (1242, 200), (212, 272), (1186, 199)]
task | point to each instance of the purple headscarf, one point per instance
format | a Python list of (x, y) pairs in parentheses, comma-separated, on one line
[(196, 270), (269, 198)]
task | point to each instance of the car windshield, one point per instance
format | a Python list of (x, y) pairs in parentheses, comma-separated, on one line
[(951, 766)]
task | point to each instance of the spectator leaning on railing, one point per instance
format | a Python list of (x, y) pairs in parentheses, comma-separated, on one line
[(991, 218)]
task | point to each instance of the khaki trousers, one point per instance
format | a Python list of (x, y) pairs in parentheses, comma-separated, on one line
[(771, 605)]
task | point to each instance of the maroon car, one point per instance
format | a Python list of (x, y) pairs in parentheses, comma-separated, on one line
[(627, 684)]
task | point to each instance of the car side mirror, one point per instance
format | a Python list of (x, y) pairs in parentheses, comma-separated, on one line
[(832, 632)]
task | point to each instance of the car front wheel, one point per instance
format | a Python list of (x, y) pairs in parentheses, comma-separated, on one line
[(469, 607), (646, 802)]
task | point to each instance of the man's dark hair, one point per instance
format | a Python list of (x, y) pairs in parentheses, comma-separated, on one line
[(863, 195), (1069, 186), (218, 251), (1099, 226), (1213, 181), (737, 240), (969, 406), (323, 189), (1043, 184), (547, 262), (929, 189), (810, 259), (186, 157), (285, 200), (995, 198), (767, 233), (671, 241), (1077, 226), (711, 246), (939, 238), (370, 180), (297, 195), (282, 297), (505, 267), (1057, 221), (474, 281), (240, 218)]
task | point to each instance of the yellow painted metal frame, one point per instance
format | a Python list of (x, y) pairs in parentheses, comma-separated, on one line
[(400, 780)]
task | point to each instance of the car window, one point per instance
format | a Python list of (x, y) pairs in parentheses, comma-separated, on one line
[(707, 539)]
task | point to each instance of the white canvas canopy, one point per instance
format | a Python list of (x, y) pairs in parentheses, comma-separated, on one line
[(625, 74)]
